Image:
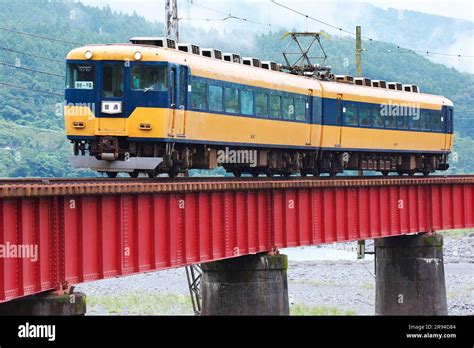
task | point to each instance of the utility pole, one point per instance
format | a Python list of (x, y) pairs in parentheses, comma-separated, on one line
[(358, 51), (171, 10)]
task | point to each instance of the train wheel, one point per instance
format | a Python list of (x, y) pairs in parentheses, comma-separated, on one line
[(173, 173), (112, 175), (400, 172), (134, 174), (426, 172), (152, 175), (411, 172), (255, 174), (385, 172), (237, 173), (269, 174)]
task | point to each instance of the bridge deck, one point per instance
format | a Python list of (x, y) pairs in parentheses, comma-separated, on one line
[(88, 229)]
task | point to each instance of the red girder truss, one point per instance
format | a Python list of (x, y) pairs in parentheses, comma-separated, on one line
[(87, 231)]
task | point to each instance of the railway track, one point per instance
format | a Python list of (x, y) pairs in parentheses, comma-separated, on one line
[(47, 181), (26, 187)]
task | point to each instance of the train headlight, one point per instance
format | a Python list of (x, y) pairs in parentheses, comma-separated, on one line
[(137, 56), (88, 55)]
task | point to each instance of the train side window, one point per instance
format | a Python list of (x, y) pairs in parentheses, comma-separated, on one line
[(288, 108), (390, 116), (149, 78), (364, 116), (216, 97), (436, 123), (402, 120), (415, 118), (275, 106), (425, 120), (317, 110), (391, 121), (350, 114), (261, 104), (199, 95), (246, 102), (378, 118), (231, 100), (300, 109)]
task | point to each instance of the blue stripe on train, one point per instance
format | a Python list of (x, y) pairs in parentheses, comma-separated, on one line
[(314, 114)]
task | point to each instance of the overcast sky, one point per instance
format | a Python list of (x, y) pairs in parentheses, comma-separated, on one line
[(153, 9)]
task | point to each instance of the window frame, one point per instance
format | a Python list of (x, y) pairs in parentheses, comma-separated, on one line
[(210, 85), (167, 81), (290, 116), (237, 112), (241, 94), (70, 76), (193, 93), (425, 120), (367, 108), (346, 105), (305, 104), (270, 115), (377, 116), (266, 104)]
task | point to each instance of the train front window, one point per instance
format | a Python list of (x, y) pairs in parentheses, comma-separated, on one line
[(149, 78), (113, 80), (80, 76)]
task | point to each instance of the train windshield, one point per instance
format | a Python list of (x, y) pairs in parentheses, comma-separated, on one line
[(149, 78), (113, 81), (80, 76)]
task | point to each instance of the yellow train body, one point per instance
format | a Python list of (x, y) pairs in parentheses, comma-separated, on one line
[(324, 129)]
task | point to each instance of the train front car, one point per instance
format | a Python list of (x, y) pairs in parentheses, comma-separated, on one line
[(117, 94), (148, 107)]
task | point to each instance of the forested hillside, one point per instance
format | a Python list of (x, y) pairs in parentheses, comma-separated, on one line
[(32, 141)]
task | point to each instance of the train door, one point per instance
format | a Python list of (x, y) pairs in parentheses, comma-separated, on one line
[(339, 113), (448, 126), (172, 99), (182, 89), (178, 97), (309, 115)]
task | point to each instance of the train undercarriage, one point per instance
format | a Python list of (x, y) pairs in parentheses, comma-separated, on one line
[(179, 158)]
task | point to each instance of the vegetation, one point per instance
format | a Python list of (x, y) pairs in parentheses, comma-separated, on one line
[(320, 310), (32, 140), (142, 304), (457, 234)]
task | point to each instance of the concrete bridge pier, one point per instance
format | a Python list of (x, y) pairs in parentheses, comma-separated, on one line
[(246, 285), (410, 276), (48, 303)]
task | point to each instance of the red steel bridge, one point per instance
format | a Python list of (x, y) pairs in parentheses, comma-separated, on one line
[(89, 229)]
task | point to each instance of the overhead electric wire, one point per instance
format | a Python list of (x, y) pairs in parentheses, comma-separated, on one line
[(231, 16), (427, 52), (312, 18), (31, 55), (40, 36), (32, 70), (30, 89)]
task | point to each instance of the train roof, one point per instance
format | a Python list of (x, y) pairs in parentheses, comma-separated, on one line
[(245, 74)]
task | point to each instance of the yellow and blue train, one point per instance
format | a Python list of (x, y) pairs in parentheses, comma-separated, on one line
[(140, 108)]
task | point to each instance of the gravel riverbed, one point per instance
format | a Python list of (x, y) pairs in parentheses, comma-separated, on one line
[(325, 280)]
